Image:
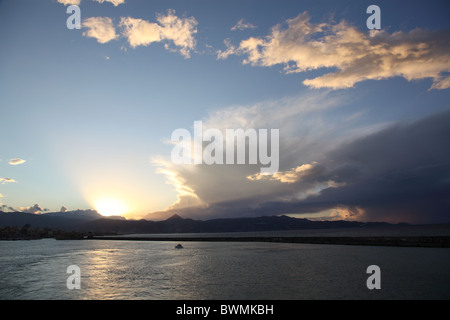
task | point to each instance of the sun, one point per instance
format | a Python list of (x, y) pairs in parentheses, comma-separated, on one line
[(110, 207)]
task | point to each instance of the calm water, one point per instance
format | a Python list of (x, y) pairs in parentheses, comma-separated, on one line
[(208, 270)]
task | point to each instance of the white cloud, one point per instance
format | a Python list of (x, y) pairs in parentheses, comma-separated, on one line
[(241, 25), (223, 54), (78, 2), (7, 180), (441, 83), (114, 2), (100, 28), (179, 31), (5, 208), (140, 32), (350, 177), (186, 196), (15, 162), (36, 209), (289, 176), (302, 127), (357, 56), (69, 2)]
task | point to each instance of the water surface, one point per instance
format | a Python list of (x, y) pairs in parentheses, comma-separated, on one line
[(219, 270)]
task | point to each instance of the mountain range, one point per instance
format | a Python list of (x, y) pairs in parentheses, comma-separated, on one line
[(91, 221)]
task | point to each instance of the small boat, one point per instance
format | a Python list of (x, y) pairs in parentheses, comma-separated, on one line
[(178, 246)]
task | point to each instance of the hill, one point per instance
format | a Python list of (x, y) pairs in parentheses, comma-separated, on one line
[(91, 221)]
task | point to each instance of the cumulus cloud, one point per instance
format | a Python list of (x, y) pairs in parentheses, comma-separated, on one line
[(302, 127), (36, 209), (170, 29), (63, 209), (175, 175), (78, 2), (176, 33), (241, 25), (6, 180), (393, 172), (289, 176), (140, 32), (100, 28), (301, 45), (114, 2), (5, 207), (69, 2), (17, 161), (401, 173), (231, 49)]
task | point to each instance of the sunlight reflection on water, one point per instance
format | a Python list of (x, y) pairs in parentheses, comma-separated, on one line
[(210, 270)]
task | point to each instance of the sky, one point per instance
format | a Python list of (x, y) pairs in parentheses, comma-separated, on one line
[(363, 115)]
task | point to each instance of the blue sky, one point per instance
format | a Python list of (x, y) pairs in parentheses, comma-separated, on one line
[(91, 114)]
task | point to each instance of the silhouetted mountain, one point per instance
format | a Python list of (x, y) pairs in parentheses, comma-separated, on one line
[(177, 224), (70, 220), (174, 218), (76, 214), (89, 220)]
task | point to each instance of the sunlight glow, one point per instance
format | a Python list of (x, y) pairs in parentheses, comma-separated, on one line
[(110, 207)]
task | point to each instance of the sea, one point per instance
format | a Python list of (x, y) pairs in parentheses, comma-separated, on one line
[(156, 270)]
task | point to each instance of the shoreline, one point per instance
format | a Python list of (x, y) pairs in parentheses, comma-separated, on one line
[(421, 241)]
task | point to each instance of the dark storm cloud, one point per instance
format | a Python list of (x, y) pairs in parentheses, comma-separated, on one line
[(401, 173)]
